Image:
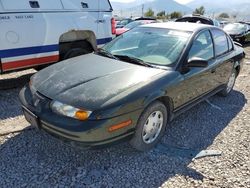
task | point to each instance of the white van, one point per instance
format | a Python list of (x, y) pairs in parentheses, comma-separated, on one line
[(39, 32)]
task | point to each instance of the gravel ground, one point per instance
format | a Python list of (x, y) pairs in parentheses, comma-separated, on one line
[(34, 159)]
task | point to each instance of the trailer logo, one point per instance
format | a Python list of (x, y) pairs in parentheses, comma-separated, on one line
[(4, 17), (24, 17)]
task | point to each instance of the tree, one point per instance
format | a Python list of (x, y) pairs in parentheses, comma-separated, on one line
[(200, 11), (223, 15), (175, 14), (149, 13), (161, 14)]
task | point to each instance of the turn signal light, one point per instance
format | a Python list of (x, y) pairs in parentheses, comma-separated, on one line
[(120, 125), (81, 115)]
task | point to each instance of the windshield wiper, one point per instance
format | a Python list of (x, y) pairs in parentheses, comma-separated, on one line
[(106, 53), (133, 60)]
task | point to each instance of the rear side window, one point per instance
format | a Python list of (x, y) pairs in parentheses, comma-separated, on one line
[(202, 47), (216, 23), (248, 27), (220, 42)]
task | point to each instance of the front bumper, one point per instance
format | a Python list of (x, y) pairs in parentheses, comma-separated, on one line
[(90, 133)]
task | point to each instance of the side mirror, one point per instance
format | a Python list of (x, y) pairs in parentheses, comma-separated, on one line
[(197, 62)]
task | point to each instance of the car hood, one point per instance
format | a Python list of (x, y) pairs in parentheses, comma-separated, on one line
[(234, 32), (90, 80)]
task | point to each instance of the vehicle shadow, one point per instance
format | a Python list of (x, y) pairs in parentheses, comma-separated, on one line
[(9, 101), (12, 83), (9, 104), (246, 44), (33, 158)]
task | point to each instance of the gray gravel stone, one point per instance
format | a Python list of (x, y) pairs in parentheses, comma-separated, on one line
[(34, 159)]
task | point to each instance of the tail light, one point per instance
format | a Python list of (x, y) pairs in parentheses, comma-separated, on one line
[(113, 26)]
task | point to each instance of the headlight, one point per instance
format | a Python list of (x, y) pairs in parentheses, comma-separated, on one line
[(69, 111)]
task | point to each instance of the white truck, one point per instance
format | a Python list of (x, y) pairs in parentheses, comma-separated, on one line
[(35, 33)]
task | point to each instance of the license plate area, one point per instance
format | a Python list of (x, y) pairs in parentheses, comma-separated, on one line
[(31, 118)]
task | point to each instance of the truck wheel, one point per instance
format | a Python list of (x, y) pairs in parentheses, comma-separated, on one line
[(75, 52), (230, 84), (38, 68), (150, 127)]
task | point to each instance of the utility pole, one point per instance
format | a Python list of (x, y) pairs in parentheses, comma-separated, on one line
[(121, 12), (142, 10)]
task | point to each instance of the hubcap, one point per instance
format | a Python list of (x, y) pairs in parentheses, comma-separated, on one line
[(152, 127), (230, 83)]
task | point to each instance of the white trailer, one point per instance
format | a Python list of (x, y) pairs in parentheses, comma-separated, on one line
[(39, 32)]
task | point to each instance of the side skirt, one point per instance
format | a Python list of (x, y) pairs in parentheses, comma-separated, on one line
[(195, 101)]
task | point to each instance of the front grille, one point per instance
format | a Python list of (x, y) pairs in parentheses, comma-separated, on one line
[(39, 101)]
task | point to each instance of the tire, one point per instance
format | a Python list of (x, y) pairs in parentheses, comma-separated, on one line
[(152, 122), (75, 52), (41, 67), (243, 40), (230, 84)]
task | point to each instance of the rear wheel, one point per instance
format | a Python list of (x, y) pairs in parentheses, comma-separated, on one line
[(73, 49), (38, 68), (230, 84), (150, 127), (75, 52)]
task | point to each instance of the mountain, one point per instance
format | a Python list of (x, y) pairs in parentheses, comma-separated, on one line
[(237, 7), (135, 8), (125, 5)]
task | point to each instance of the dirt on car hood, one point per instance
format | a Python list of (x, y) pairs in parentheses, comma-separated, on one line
[(90, 80)]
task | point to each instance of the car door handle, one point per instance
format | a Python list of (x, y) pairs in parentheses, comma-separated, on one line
[(100, 21)]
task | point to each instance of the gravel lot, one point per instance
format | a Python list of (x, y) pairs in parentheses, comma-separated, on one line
[(33, 159)]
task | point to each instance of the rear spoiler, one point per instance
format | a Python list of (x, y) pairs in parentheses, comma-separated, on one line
[(238, 44)]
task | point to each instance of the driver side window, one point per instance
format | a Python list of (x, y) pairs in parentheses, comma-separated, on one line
[(202, 47)]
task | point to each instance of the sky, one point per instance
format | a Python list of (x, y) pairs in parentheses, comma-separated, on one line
[(127, 1)]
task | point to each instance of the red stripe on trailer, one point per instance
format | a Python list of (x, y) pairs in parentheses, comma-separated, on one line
[(29, 62)]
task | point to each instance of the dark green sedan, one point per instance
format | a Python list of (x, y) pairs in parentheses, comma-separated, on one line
[(134, 86)]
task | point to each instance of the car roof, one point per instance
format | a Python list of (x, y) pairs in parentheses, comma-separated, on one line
[(182, 26), (144, 18), (196, 16), (194, 19)]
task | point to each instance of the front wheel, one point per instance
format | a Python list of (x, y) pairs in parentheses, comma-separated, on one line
[(150, 127), (230, 84)]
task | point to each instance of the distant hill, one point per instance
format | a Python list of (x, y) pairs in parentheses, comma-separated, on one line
[(135, 8), (237, 7)]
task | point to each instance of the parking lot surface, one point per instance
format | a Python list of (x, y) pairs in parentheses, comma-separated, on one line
[(30, 158)]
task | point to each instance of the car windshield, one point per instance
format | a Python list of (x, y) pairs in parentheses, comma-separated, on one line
[(155, 46), (230, 27)]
